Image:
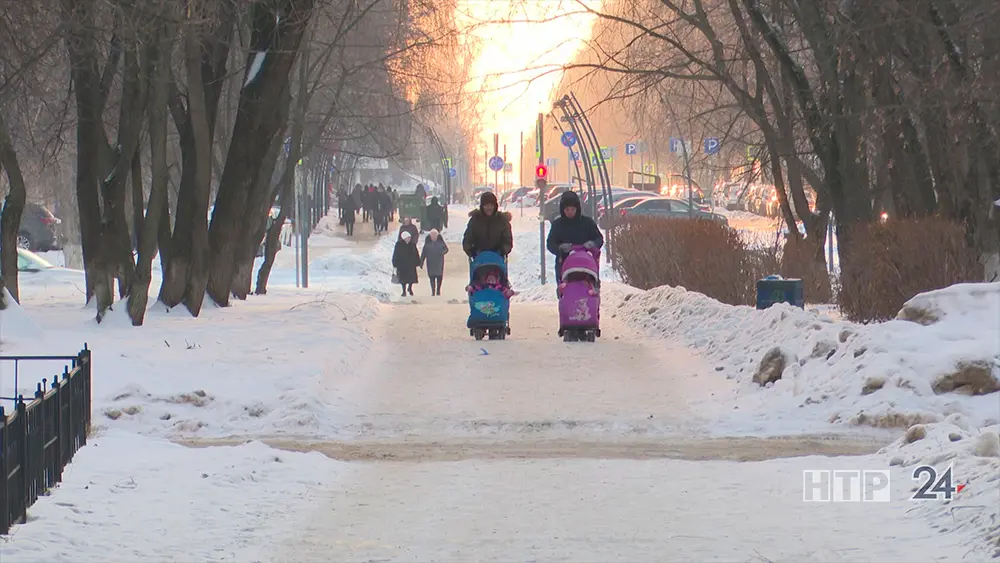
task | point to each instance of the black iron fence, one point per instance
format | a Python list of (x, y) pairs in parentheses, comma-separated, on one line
[(40, 435)]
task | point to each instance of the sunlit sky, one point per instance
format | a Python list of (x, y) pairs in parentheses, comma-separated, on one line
[(521, 43)]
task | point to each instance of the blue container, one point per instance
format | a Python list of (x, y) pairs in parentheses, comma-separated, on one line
[(774, 289)]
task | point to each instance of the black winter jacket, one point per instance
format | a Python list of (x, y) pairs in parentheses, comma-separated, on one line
[(578, 230)]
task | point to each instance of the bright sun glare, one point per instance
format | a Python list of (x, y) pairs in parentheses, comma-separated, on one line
[(520, 44)]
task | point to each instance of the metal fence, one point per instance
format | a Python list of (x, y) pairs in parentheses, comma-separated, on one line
[(41, 434)]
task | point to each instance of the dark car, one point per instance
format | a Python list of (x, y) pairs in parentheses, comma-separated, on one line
[(623, 203), (39, 230), (670, 209)]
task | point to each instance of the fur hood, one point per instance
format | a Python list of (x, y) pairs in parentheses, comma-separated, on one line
[(505, 215)]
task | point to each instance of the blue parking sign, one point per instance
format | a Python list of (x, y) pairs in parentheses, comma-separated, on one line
[(712, 145)]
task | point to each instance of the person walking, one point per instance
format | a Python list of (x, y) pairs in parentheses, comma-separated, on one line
[(409, 227), (488, 229), (572, 227), (432, 259), (435, 215), (406, 260), (347, 211)]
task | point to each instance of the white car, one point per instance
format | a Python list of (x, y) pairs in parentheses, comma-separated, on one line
[(34, 270)]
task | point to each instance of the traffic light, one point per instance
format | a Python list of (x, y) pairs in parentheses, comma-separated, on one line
[(541, 171)]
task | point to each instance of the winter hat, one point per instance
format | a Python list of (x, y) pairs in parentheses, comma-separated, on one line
[(569, 199), (434, 232), (405, 235), (488, 197)]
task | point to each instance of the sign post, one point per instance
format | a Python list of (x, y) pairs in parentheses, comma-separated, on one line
[(540, 182), (630, 150), (568, 139), (712, 148)]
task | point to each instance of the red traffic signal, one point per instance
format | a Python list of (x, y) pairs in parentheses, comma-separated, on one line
[(541, 171)]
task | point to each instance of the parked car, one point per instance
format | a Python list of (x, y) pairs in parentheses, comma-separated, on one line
[(627, 202), (670, 209), (40, 230)]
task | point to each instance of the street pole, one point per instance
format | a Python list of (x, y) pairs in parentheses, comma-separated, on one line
[(520, 163), (541, 198), (306, 227), (298, 229), (496, 173), (687, 172), (505, 180)]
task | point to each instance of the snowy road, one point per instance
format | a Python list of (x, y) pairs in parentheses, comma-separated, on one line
[(520, 455)]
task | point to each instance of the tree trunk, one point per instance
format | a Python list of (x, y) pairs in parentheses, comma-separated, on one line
[(258, 220), (10, 218), (159, 70), (258, 120), (273, 238), (183, 281), (78, 16)]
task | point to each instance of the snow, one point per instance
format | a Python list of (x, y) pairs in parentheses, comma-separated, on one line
[(347, 359), (15, 325), (832, 362), (173, 503)]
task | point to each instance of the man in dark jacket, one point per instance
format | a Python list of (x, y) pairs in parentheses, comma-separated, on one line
[(435, 216), (570, 228), (488, 229)]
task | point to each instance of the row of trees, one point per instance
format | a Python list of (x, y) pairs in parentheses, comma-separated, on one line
[(179, 105), (890, 105)]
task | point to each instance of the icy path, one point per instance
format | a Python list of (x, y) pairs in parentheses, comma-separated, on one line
[(518, 455)]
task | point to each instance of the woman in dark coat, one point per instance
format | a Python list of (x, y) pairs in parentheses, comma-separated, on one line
[(406, 259), (432, 259), (347, 211), (488, 229), (435, 215), (409, 227)]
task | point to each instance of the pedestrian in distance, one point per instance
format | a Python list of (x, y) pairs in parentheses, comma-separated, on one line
[(435, 215), (409, 227), (406, 260), (432, 259), (572, 227), (348, 208)]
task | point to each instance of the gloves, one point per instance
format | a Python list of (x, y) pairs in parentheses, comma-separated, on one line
[(589, 245), (565, 247)]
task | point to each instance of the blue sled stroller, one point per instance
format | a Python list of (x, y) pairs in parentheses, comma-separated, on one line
[(489, 308)]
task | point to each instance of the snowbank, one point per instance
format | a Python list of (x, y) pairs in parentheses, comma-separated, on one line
[(889, 375), (169, 503), (974, 456), (15, 325)]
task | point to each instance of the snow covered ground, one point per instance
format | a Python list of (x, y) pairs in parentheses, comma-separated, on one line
[(392, 378)]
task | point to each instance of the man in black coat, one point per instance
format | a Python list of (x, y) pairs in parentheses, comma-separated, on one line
[(488, 229), (435, 216), (570, 228)]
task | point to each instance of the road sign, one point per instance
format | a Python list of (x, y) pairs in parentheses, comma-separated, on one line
[(541, 171), (607, 153), (496, 163), (568, 139), (594, 161), (677, 145), (631, 148), (576, 156), (551, 161), (509, 167), (452, 172), (712, 145), (446, 162), (649, 169)]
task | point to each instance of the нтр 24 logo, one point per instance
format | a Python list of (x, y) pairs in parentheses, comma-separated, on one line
[(933, 487)]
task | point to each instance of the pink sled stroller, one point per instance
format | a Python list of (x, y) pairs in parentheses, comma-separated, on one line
[(579, 296)]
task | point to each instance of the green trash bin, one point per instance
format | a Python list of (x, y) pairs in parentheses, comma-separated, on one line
[(775, 289)]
